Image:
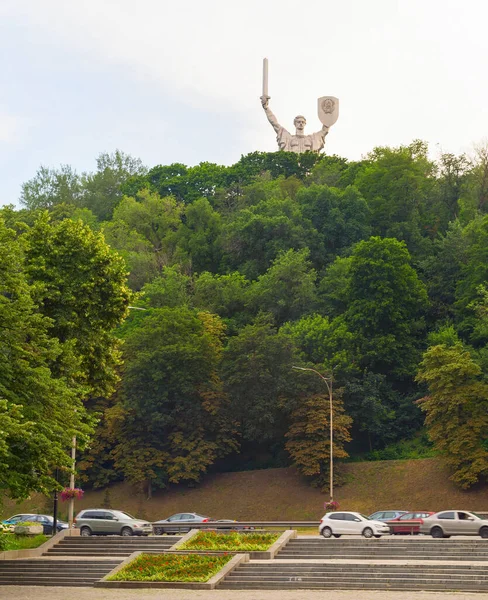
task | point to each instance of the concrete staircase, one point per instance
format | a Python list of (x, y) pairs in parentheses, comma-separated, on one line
[(39, 571), (417, 548), (341, 576), (108, 546)]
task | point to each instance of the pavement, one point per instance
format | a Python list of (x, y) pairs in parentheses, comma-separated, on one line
[(11, 592), (61, 593)]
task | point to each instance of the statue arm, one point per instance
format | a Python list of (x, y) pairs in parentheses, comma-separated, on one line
[(324, 131), (271, 117)]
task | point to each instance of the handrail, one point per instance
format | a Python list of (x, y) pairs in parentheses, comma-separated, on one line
[(286, 524)]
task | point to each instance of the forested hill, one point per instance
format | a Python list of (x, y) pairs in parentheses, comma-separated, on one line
[(372, 272)]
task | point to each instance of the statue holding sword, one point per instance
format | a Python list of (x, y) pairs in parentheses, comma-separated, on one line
[(328, 111)]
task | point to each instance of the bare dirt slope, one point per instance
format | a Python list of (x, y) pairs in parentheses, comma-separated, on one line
[(277, 494)]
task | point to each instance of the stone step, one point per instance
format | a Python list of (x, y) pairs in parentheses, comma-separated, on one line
[(378, 585), (54, 572), (352, 556), (356, 576), (358, 568)]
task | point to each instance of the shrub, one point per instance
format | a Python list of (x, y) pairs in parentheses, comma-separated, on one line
[(172, 567), (232, 541)]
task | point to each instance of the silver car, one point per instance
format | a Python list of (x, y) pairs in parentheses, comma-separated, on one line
[(179, 523), (455, 522), (102, 521)]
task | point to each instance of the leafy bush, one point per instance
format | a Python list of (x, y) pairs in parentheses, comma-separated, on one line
[(230, 542), (172, 567), (10, 541)]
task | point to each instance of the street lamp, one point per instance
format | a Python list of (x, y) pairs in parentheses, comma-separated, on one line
[(328, 383)]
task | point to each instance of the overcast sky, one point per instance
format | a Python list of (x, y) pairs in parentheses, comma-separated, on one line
[(179, 81)]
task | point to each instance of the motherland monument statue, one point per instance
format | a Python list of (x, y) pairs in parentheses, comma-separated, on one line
[(328, 111)]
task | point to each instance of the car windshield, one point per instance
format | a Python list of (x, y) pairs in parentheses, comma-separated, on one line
[(365, 517), (484, 517), (123, 515)]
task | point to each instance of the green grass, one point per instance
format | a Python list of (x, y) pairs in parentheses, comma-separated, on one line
[(172, 567), (10, 541), (230, 542)]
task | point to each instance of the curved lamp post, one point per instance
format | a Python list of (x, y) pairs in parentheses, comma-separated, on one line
[(328, 383)]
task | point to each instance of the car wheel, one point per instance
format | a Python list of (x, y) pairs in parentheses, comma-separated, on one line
[(327, 532), (484, 533), (436, 532), (126, 531), (368, 532), (158, 531), (337, 535), (85, 532)]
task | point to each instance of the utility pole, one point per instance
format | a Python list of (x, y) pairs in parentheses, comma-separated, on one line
[(328, 383)]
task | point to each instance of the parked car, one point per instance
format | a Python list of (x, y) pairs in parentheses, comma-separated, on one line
[(387, 515), (179, 523), (409, 522), (455, 522), (339, 523), (45, 520), (101, 521), (17, 519), (233, 525)]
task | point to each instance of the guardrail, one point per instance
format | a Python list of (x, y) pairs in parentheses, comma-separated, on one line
[(289, 524)]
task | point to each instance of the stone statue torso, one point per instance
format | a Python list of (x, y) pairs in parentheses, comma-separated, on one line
[(300, 143)]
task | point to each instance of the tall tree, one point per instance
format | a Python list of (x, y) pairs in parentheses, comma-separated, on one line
[(386, 306), (39, 410), (456, 411), (173, 422), (80, 284), (102, 190), (287, 289)]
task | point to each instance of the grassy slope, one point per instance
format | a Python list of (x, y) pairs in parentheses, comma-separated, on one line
[(276, 494)]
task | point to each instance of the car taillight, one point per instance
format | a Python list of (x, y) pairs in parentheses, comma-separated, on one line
[(74, 521), (321, 520), (204, 520)]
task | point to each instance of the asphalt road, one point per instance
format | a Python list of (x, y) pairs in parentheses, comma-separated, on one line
[(61, 593)]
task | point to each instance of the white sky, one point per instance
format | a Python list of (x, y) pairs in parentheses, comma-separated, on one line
[(179, 81)]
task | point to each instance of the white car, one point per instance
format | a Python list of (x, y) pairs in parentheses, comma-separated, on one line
[(339, 523)]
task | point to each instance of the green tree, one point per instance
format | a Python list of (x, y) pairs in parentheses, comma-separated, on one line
[(39, 411), (256, 372), (256, 235), (197, 237), (397, 184), (80, 284), (287, 289), (50, 187), (102, 190), (173, 422), (386, 306), (341, 217), (456, 410)]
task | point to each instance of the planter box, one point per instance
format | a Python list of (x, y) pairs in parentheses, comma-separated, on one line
[(28, 529)]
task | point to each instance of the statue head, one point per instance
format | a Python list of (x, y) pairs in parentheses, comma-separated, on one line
[(300, 121)]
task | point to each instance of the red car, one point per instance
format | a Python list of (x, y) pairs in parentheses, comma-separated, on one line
[(409, 522)]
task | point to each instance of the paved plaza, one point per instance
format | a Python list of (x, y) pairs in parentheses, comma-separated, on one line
[(61, 593)]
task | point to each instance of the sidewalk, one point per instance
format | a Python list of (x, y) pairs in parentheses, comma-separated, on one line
[(61, 593)]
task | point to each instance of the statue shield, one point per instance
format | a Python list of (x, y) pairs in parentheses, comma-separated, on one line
[(328, 109)]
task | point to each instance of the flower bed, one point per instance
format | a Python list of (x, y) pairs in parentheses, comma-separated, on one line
[(230, 542), (172, 567)]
